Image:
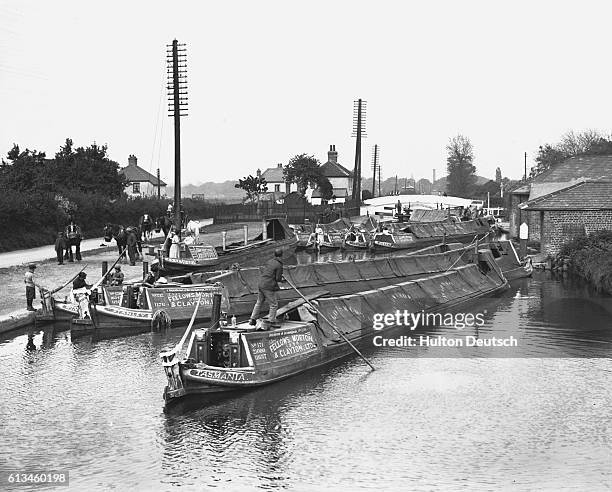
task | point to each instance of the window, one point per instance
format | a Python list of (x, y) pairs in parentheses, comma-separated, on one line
[(276, 187), (136, 188)]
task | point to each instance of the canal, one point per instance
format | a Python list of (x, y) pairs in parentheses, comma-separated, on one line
[(537, 418)]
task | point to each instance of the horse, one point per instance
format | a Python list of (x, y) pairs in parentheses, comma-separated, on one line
[(164, 223), (116, 232), (145, 225), (73, 237)]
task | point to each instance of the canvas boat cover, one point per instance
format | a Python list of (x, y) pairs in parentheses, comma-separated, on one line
[(244, 282), (426, 230), (277, 229), (422, 215), (353, 314), (365, 222), (340, 225)]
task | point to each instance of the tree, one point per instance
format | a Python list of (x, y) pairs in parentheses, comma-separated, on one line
[(498, 176), (254, 186), (88, 170), (26, 172), (461, 171), (589, 142), (305, 171)]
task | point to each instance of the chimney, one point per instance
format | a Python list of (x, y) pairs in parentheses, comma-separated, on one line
[(259, 173), (280, 165), (332, 155), (132, 160)]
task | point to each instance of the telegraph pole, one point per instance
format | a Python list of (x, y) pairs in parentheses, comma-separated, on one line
[(359, 132), (158, 186), (177, 86), (374, 167), (525, 166)]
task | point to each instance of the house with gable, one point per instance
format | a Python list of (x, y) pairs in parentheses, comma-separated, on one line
[(140, 183), (570, 199), (340, 178)]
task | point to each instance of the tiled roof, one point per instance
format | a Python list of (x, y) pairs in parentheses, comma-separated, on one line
[(133, 174), (273, 175), (585, 195), (334, 170), (585, 167)]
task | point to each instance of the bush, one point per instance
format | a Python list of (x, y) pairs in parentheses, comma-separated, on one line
[(591, 258)]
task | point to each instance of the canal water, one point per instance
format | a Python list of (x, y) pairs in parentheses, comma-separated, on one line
[(538, 419)]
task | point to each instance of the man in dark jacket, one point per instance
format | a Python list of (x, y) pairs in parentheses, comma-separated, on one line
[(132, 246), (271, 275), (60, 246)]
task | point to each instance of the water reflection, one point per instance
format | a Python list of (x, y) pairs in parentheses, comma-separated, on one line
[(95, 406)]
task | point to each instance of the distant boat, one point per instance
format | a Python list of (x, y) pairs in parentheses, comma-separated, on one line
[(202, 257), (397, 236), (233, 358)]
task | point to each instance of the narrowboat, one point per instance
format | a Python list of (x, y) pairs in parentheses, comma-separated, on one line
[(396, 236), (202, 257), (221, 358), (128, 309), (333, 278)]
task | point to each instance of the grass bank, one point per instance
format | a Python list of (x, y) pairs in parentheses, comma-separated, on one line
[(591, 258)]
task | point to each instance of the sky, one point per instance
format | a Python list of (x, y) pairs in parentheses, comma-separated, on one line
[(272, 79)]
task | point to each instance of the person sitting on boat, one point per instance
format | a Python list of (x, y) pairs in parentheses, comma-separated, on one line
[(118, 276), (152, 276), (80, 293), (267, 290)]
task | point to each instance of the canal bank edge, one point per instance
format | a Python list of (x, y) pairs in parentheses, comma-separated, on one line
[(16, 319)]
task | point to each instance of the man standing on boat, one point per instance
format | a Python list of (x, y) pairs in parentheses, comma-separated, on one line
[(268, 286)]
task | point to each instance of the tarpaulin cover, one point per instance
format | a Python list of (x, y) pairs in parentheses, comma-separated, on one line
[(428, 215), (341, 224), (367, 222), (353, 314), (246, 281)]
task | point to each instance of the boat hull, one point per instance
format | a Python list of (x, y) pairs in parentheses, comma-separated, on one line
[(255, 255), (299, 346)]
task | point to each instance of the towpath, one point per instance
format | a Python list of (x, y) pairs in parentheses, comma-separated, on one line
[(95, 251)]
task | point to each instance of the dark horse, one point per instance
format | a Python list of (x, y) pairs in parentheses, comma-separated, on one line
[(116, 232), (73, 236), (164, 223), (120, 235)]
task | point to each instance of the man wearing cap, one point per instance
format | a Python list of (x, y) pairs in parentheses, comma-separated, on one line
[(268, 287), (117, 278), (30, 286)]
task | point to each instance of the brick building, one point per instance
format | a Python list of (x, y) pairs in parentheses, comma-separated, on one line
[(563, 214), (560, 178)]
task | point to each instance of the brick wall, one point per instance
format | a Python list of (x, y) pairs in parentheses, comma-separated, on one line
[(562, 226)]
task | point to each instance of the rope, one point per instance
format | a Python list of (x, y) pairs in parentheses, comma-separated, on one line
[(467, 249)]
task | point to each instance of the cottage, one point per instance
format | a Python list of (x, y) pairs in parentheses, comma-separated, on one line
[(140, 183), (339, 177), (572, 198), (275, 180)]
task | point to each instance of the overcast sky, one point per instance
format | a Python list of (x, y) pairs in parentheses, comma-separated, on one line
[(272, 79)]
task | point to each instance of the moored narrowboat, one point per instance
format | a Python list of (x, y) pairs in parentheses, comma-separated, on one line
[(229, 358)]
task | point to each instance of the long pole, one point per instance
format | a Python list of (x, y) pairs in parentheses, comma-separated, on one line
[(158, 186), (357, 173), (177, 138), (331, 324), (525, 166), (375, 166)]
